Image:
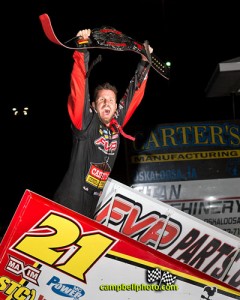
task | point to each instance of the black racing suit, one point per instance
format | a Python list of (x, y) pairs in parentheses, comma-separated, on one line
[(95, 146)]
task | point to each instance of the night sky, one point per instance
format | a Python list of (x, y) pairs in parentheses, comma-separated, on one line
[(194, 35)]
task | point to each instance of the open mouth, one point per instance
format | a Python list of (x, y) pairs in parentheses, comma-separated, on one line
[(106, 111)]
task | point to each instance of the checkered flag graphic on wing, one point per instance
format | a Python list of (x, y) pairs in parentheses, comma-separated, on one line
[(168, 278), (154, 275)]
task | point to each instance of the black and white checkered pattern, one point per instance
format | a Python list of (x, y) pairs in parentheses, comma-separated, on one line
[(168, 278), (154, 275)]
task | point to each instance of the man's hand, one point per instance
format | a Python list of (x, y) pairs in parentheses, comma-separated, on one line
[(148, 49), (84, 34)]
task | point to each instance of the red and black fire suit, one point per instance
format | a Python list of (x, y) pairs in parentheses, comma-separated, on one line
[(95, 146)]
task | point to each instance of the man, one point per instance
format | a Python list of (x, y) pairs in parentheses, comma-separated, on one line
[(96, 129)]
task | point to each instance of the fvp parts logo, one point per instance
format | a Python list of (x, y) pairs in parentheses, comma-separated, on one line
[(162, 277), (64, 289)]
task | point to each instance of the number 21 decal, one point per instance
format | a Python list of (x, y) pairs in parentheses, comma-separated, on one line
[(59, 242)]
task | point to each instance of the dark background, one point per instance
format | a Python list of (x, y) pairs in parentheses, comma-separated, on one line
[(194, 35)]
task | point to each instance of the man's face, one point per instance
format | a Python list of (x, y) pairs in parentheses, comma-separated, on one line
[(105, 105)]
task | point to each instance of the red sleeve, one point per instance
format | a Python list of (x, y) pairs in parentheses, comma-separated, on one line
[(137, 98), (77, 98)]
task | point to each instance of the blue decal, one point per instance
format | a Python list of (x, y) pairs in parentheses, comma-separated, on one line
[(66, 290)]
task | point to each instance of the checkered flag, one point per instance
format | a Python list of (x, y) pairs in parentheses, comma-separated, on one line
[(153, 275), (168, 278)]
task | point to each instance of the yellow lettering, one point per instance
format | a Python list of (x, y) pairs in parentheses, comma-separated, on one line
[(168, 134)]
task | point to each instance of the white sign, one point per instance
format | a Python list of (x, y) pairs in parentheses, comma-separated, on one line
[(215, 201), (170, 231)]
